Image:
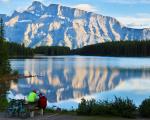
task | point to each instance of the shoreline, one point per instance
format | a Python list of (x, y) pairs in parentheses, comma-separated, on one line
[(45, 56), (15, 77)]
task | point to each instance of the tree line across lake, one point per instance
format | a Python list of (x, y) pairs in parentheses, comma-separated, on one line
[(18, 50), (117, 49)]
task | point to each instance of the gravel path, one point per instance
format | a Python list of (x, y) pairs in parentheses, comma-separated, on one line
[(65, 117), (45, 117)]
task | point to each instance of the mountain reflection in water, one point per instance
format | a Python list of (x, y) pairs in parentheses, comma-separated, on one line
[(63, 78)]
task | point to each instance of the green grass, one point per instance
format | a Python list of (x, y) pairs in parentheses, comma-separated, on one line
[(62, 112), (78, 117)]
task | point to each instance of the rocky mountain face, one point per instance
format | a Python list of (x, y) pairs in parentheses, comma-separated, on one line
[(53, 25)]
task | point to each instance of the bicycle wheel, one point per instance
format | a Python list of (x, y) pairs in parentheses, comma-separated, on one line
[(24, 113), (9, 113)]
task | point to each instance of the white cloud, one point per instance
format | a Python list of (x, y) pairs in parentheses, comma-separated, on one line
[(21, 9), (86, 7), (143, 15), (135, 22), (129, 1)]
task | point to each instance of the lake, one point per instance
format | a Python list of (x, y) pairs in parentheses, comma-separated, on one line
[(67, 79)]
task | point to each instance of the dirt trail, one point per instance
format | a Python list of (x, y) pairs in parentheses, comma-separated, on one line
[(65, 117), (45, 117)]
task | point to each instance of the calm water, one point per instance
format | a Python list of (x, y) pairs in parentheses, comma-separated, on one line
[(65, 80)]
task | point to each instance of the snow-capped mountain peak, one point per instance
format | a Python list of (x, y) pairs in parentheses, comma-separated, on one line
[(36, 5), (64, 26), (36, 8)]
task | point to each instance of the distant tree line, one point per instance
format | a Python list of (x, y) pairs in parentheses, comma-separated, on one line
[(121, 48), (117, 49), (52, 50), (18, 50)]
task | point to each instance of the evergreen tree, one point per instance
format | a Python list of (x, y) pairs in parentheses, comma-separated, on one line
[(1, 29), (4, 62)]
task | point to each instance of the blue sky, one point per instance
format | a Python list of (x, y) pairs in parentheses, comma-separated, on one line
[(130, 12)]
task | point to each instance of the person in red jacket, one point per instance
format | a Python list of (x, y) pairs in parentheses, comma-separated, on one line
[(42, 102)]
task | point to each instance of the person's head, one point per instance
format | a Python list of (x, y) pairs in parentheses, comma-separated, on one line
[(40, 95), (34, 91)]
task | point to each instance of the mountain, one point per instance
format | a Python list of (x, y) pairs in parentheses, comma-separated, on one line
[(53, 25)]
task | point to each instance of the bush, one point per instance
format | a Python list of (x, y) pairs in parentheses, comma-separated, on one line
[(118, 107), (144, 108), (91, 107), (101, 108), (123, 107), (85, 107), (3, 103)]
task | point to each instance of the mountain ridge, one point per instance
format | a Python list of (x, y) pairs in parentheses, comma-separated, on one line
[(57, 25)]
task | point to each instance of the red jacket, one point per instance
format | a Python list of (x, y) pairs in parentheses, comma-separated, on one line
[(42, 103)]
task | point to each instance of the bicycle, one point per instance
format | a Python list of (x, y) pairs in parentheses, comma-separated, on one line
[(17, 108)]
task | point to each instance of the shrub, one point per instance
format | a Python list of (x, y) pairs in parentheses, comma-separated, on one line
[(123, 107), (3, 103), (144, 108), (101, 108), (85, 107), (118, 107)]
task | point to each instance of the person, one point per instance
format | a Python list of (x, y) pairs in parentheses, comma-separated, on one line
[(42, 102), (32, 100), (32, 97)]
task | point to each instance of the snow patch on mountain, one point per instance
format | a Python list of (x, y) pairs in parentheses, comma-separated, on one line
[(12, 21)]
